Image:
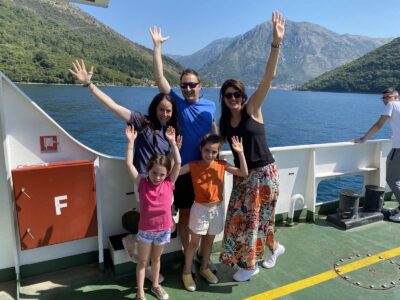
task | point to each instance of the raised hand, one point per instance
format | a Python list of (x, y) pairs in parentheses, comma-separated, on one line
[(278, 23), (170, 134), (156, 35), (237, 144), (130, 133), (80, 73)]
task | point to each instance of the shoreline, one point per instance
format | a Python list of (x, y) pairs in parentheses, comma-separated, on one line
[(276, 88), (78, 84), (143, 86)]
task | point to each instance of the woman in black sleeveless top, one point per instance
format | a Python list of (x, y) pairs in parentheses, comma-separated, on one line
[(250, 217)]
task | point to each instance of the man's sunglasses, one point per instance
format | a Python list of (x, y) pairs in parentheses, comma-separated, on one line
[(235, 94), (192, 85)]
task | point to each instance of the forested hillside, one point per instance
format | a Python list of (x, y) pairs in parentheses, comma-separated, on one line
[(40, 38), (371, 73)]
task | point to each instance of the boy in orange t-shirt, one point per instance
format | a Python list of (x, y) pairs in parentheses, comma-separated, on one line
[(207, 214)]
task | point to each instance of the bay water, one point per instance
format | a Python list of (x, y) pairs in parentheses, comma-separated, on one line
[(290, 117)]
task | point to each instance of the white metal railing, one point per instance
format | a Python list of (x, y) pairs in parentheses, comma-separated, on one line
[(301, 169)]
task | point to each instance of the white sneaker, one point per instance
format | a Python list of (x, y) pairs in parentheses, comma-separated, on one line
[(244, 275), (395, 218), (271, 257), (149, 275)]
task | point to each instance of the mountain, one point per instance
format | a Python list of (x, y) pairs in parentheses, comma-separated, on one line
[(40, 38), (371, 73), (198, 59), (308, 51)]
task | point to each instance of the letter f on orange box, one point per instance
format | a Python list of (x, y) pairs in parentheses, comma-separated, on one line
[(59, 205)]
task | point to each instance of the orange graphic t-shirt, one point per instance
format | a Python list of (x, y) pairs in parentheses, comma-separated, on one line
[(208, 180)]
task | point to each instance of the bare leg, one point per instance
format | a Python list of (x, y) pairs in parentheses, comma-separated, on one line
[(143, 259), (156, 252), (201, 248), (183, 227), (207, 242), (189, 251)]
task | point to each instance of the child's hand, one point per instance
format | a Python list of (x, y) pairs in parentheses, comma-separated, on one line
[(170, 134), (130, 133), (237, 144)]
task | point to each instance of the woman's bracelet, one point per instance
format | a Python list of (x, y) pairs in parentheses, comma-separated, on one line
[(275, 46), (87, 84)]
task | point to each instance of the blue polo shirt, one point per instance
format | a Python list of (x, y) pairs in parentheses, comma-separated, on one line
[(195, 120)]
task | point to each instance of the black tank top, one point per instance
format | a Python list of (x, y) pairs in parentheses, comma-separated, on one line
[(255, 146)]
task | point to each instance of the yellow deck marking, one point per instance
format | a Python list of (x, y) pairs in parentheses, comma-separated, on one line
[(310, 281)]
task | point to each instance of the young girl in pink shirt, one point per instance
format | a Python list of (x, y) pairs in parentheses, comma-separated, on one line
[(155, 195)]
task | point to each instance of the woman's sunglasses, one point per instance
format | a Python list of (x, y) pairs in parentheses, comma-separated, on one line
[(235, 94), (192, 85)]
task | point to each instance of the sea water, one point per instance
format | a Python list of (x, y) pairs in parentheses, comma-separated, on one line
[(290, 118)]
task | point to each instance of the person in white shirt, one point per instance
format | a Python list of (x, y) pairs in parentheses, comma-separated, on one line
[(391, 111)]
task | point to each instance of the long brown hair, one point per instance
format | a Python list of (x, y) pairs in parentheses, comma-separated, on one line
[(226, 114), (152, 113)]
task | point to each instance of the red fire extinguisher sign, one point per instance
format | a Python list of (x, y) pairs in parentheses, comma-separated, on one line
[(48, 143)]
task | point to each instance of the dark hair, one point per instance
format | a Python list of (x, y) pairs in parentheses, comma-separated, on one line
[(211, 138), (189, 71), (152, 113), (159, 159), (225, 111), (390, 91)]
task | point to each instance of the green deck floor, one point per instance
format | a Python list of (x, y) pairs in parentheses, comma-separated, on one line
[(311, 249)]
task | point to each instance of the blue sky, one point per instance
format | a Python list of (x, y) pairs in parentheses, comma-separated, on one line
[(194, 24)]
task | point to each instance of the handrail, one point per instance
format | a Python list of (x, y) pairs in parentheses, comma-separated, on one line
[(301, 168)]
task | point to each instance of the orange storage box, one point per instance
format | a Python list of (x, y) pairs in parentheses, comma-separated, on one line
[(55, 202)]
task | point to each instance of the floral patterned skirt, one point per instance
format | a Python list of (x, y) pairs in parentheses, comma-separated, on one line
[(250, 217)]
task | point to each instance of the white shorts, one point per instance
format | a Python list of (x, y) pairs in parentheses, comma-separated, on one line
[(206, 219)]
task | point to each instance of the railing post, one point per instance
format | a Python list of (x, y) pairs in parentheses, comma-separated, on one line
[(311, 189)]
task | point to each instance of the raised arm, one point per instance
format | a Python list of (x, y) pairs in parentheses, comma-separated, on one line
[(257, 99), (170, 134), (184, 169), (158, 72), (131, 135), (85, 78), (237, 146), (374, 129)]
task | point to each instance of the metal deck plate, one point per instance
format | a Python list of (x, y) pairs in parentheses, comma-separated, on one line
[(383, 275)]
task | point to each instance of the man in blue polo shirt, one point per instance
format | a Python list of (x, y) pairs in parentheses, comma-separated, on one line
[(196, 118)]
